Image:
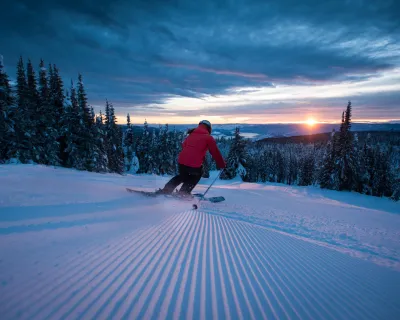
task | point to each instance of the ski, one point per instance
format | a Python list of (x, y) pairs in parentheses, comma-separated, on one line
[(145, 193), (153, 194), (210, 199)]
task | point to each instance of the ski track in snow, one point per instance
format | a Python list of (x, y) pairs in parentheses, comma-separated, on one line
[(195, 265)]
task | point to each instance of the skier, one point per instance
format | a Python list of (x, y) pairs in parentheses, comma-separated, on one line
[(191, 159)]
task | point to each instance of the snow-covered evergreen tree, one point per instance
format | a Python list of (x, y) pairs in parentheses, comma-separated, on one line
[(37, 118), (153, 157), (165, 151), (307, 169), (236, 160), (23, 123), (89, 150), (395, 188), (251, 172), (345, 161), (263, 170), (100, 155), (114, 144), (280, 167), (143, 149), (57, 103), (367, 167), (131, 161), (47, 126), (206, 166), (326, 177), (293, 166), (83, 103), (73, 130), (8, 141), (57, 96), (176, 146), (382, 180)]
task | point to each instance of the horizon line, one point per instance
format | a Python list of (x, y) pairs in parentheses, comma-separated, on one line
[(394, 121)]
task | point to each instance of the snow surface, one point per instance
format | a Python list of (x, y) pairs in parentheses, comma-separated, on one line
[(76, 245)]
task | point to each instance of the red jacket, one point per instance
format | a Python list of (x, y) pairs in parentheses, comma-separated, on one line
[(195, 148)]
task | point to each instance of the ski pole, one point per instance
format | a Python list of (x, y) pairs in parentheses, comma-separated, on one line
[(195, 206)]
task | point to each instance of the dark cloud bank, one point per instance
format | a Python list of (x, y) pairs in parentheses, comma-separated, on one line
[(141, 52)]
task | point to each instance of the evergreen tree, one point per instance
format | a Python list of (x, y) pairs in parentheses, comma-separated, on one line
[(83, 104), (79, 131), (236, 161), (206, 166), (44, 90), (340, 168), (367, 170), (73, 133), (129, 147), (89, 152), (280, 167), (307, 170), (143, 148), (101, 157), (325, 178), (165, 151), (115, 151), (382, 181), (93, 152), (264, 165), (155, 154), (37, 118), (346, 161), (395, 172), (293, 168), (47, 126), (57, 96), (251, 172), (7, 131), (396, 184), (176, 146), (23, 123), (57, 102)]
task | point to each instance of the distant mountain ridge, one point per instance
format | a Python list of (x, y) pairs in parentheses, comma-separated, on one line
[(262, 131)]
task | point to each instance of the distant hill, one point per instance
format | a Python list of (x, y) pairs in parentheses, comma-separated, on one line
[(377, 136), (262, 131)]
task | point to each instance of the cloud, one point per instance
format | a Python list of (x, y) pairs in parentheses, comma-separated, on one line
[(149, 52)]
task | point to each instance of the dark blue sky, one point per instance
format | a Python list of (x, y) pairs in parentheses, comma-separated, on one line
[(229, 61)]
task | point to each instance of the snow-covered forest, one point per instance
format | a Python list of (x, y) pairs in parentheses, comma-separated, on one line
[(44, 121)]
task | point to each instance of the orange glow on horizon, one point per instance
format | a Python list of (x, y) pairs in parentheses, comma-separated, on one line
[(255, 119), (311, 122)]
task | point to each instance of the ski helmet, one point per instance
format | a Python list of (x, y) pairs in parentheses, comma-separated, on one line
[(207, 124)]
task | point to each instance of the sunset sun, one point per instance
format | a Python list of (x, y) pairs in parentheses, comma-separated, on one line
[(311, 122)]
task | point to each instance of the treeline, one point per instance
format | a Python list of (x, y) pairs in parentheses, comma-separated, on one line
[(343, 163), (41, 123), (157, 150)]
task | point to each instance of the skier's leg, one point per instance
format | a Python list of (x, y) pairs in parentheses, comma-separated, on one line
[(172, 184), (175, 181), (190, 182)]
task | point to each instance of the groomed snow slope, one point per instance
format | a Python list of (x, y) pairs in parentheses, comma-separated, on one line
[(76, 245)]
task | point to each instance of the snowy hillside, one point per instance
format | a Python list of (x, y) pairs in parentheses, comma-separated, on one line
[(76, 245)]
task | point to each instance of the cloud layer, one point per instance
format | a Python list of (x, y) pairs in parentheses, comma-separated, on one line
[(169, 57)]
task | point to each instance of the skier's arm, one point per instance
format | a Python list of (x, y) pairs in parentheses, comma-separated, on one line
[(215, 153)]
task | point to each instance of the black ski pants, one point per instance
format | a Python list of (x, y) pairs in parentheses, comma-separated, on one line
[(189, 176)]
